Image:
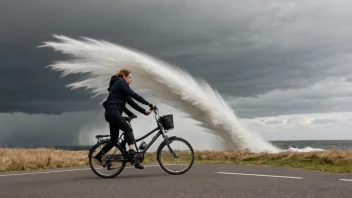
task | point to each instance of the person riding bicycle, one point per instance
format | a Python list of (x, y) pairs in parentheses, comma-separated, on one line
[(120, 93)]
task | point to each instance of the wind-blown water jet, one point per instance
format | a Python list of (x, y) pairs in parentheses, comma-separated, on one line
[(165, 83)]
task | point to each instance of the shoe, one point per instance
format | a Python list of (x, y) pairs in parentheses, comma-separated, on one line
[(131, 152), (137, 164)]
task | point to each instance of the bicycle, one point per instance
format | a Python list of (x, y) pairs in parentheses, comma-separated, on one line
[(164, 124)]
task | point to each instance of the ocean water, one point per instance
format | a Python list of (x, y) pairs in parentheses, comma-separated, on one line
[(299, 144), (321, 144)]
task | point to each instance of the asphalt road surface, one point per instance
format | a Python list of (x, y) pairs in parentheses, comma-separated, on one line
[(201, 181)]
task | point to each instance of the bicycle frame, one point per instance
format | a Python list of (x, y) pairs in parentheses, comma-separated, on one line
[(152, 141), (160, 132)]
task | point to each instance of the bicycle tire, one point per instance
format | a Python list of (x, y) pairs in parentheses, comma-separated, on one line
[(163, 144), (90, 156)]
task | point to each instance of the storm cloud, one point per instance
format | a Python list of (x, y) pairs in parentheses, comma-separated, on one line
[(241, 48), (266, 58)]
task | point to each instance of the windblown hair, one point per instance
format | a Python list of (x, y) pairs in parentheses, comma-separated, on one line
[(123, 72)]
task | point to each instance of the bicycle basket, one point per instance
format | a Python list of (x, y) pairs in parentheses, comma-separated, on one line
[(167, 121)]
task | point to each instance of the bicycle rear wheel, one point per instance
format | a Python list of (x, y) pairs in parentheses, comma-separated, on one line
[(179, 164), (112, 160)]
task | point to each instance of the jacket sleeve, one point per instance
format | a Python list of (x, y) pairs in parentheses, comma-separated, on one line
[(128, 91), (128, 112), (135, 105)]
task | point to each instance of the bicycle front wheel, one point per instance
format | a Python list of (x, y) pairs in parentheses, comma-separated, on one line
[(175, 157)]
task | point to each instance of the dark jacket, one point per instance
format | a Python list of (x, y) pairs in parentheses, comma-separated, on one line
[(120, 94)]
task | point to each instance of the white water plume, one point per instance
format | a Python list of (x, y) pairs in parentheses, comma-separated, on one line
[(162, 82), (305, 149)]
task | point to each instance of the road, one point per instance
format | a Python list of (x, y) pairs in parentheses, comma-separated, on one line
[(201, 181)]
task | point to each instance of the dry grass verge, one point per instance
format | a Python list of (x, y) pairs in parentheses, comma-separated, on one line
[(43, 158), (336, 161)]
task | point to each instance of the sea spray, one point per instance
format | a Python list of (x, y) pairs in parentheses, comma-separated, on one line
[(164, 83)]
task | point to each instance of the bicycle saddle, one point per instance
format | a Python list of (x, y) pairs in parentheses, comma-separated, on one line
[(128, 119), (101, 136)]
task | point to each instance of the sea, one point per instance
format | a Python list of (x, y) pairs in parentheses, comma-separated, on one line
[(297, 144), (315, 144)]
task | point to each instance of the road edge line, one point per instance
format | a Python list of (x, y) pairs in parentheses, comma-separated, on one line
[(259, 175)]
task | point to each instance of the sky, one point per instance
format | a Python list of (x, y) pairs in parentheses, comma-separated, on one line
[(282, 65)]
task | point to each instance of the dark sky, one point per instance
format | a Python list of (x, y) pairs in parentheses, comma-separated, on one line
[(221, 48), (266, 58)]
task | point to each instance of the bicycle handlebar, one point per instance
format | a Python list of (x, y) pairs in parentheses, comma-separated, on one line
[(155, 110)]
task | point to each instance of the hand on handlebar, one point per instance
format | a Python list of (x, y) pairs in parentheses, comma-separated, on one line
[(151, 106), (147, 112)]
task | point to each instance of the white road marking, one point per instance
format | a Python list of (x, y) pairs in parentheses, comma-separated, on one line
[(60, 171), (350, 180), (46, 172), (289, 177)]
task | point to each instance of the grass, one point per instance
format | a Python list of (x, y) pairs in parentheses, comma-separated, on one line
[(41, 158), (336, 161)]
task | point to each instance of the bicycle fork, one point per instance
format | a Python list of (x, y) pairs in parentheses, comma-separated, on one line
[(170, 149)]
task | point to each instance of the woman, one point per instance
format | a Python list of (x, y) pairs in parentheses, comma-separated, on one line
[(120, 93)]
